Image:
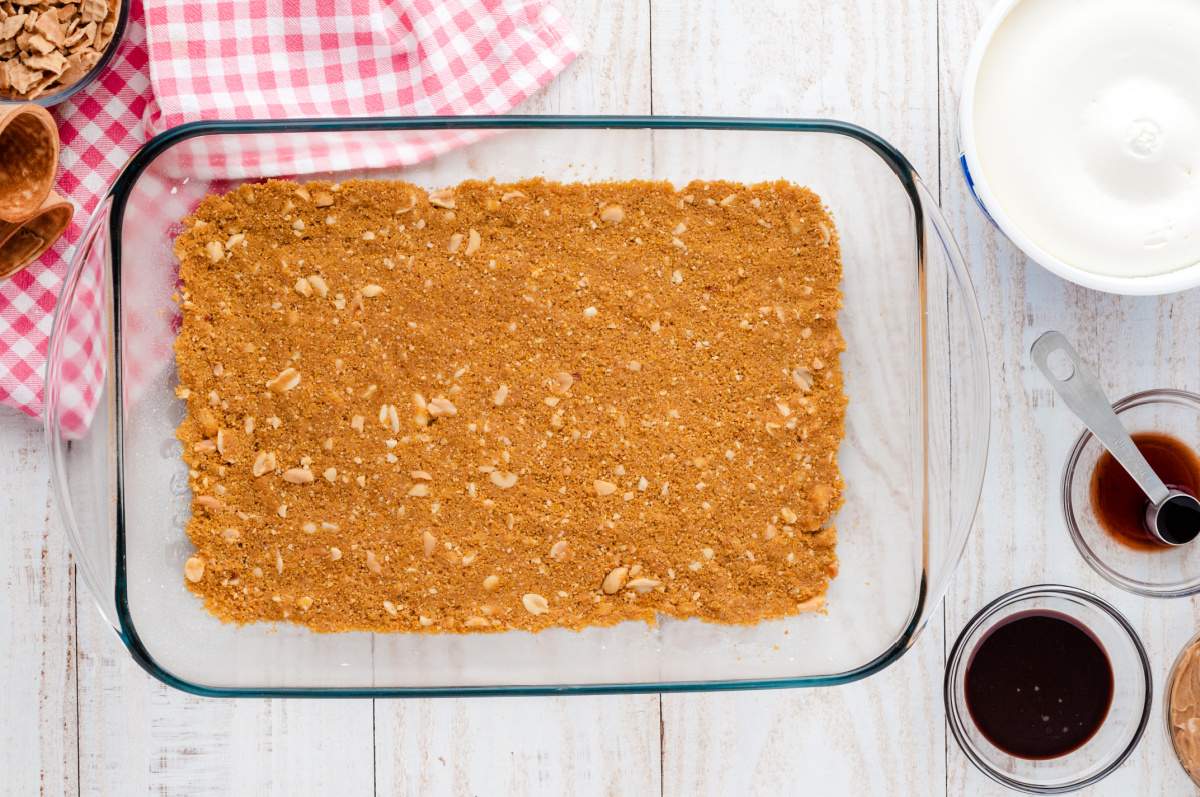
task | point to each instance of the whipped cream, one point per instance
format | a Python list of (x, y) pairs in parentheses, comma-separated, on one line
[(1087, 129)]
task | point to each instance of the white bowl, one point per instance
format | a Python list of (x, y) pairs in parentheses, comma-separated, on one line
[(1169, 282)]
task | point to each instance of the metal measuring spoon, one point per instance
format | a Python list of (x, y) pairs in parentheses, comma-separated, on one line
[(1172, 516)]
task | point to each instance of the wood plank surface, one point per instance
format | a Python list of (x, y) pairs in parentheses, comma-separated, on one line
[(38, 718), (560, 745)]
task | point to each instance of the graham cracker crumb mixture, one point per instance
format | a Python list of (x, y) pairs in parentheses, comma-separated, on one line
[(510, 406)]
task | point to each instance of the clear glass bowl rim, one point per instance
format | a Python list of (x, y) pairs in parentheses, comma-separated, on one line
[(957, 659), (926, 213), (1166, 704), (1155, 396)]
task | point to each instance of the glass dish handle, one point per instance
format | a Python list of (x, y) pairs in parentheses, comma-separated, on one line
[(958, 423), (79, 413)]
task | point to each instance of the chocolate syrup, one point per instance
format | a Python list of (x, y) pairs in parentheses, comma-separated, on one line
[(1120, 505), (1039, 685)]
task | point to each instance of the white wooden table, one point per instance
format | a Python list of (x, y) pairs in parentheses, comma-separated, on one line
[(78, 716)]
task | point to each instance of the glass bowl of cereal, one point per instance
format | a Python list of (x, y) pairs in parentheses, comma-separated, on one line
[(516, 405), (51, 50)]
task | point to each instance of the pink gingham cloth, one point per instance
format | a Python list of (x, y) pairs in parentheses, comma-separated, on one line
[(187, 60), (253, 59)]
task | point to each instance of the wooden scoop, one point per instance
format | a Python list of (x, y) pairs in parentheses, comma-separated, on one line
[(28, 160), (21, 244)]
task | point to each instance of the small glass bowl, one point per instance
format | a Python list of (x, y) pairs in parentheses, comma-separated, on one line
[(1168, 687), (65, 93), (1127, 715), (1167, 572)]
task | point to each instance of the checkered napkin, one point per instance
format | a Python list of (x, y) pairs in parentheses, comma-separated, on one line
[(186, 60), (246, 59)]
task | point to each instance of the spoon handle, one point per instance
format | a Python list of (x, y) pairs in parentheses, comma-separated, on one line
[(1082, 394)]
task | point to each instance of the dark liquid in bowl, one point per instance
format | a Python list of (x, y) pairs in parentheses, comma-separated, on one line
[(1120, 505), (1039, 686)]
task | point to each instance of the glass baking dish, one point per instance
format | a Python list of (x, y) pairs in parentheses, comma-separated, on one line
[(913, 458)]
